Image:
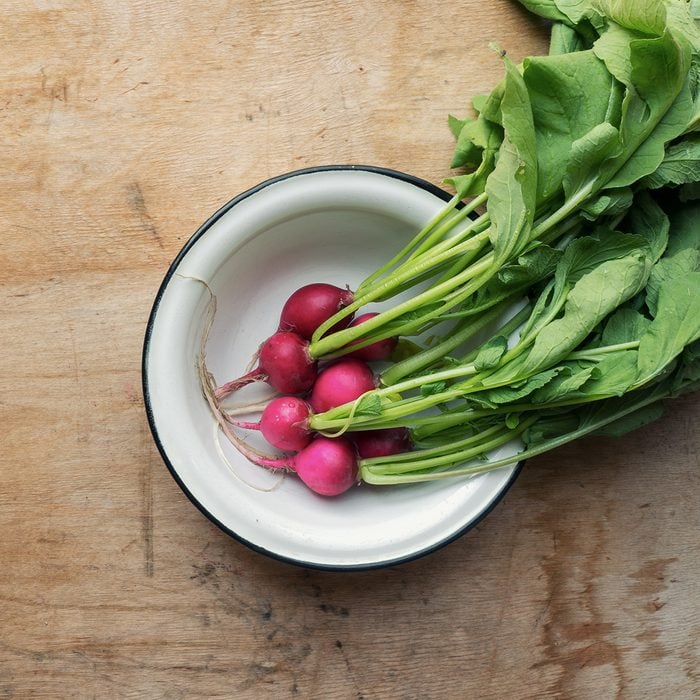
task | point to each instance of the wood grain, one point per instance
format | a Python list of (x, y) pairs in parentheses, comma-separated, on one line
[(124, 125)]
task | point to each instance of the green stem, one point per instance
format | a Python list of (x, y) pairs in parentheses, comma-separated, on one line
[(557, 216), (418, 382), (437, 451), (445, 459), (445, 211), (435, 315), (344, 420), (379, 291), (462, 333), (594, 353), (442, 420), (461, 263), (422, 259), (505, 330), (428, 426), (367, 475), (464, 212), (328, 344)]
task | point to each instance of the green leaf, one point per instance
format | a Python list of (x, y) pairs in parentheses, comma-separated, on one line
[(530, 267), (649, 220), (490, 353), (613, 47), (571, 12), (584, 255), (476, 401), (595, 295), (432, 388), (512, 279), (602, 143), (685, 228), (594, 416), (658, 105), (624, 326), (545, 8), (455, 124), (479, 102), (490, 107), (579, 10), (478, 140), (695, 9), (369, 405), (615, 374), (688, 375), (669, 268), (512, 186), (632, 421), (549, 427), (656, 110), (677, 324), (568, 381), (474, 183), (609, 203), (565, 39), (512, 421), (645, 16), (680, 166), (694, 85), (515, 392), (570, 95)]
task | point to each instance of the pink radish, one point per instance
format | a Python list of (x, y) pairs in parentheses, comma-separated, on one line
[(310, 306), (381, 443), (283, 362), (344, 380), (328, 466), (284, 423), (381, 350)]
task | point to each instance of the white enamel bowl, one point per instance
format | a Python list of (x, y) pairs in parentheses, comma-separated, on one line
[(330, 224)]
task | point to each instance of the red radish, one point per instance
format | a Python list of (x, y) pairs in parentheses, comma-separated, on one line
[(283, 362), (381, 443), (343, 381), (328, 466), (310, 306), (284, 423), (381, 350)]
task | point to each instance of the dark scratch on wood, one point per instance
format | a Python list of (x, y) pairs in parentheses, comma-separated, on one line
[(138, 204), (147, 520), (138, 85), (351, 671)]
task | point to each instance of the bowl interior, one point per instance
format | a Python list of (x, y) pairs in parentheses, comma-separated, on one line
[(326, 226)]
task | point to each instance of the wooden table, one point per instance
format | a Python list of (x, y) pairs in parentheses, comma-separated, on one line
[(124, 125)]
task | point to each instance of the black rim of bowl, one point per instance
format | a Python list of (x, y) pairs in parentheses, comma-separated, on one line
[(387, 172)]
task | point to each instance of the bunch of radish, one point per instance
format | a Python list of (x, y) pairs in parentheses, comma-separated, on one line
[(328, 466), (561, 284)]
